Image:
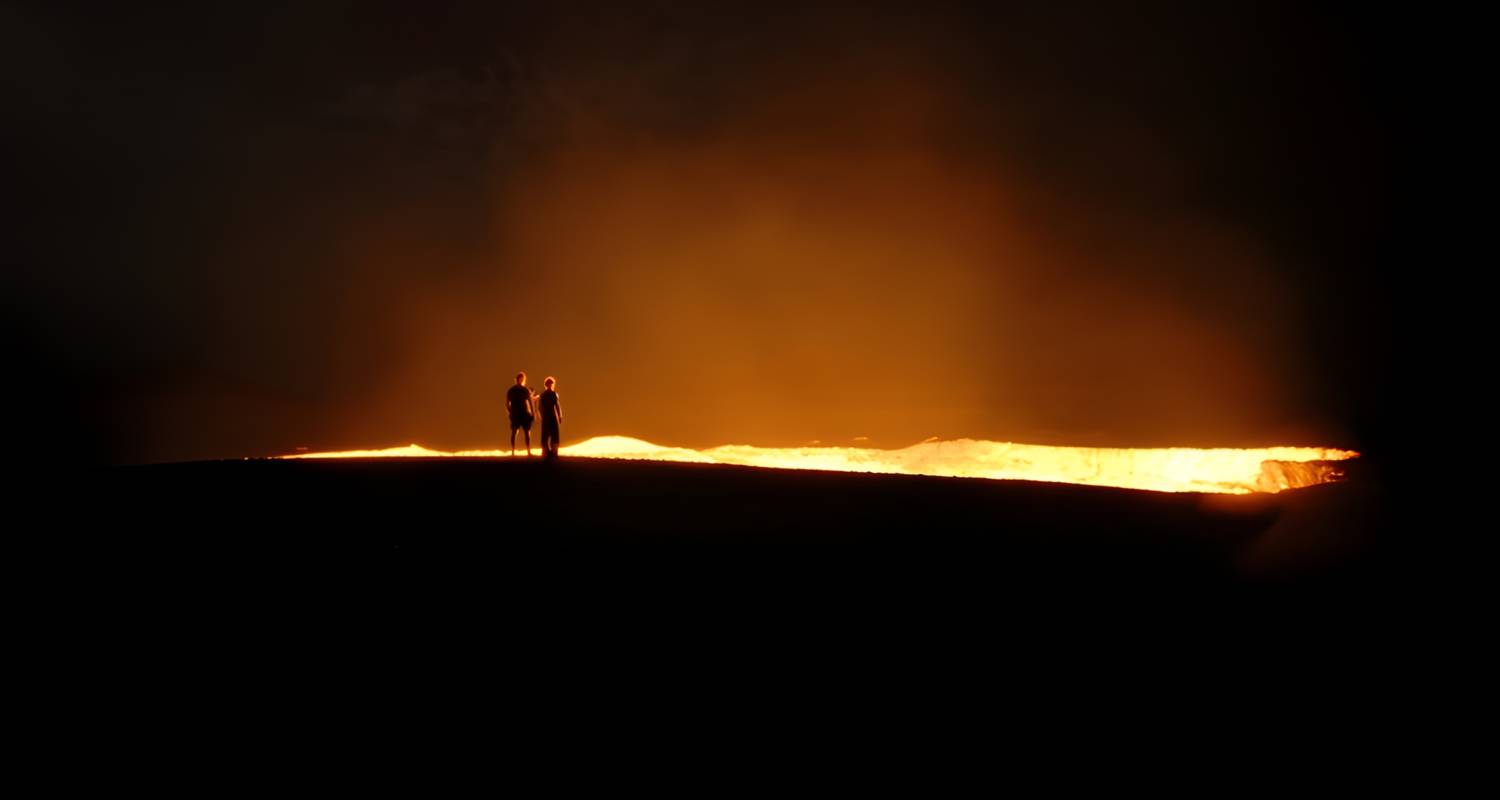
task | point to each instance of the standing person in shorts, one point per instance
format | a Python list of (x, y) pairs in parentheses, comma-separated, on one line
[(551, 413), (518, 405)]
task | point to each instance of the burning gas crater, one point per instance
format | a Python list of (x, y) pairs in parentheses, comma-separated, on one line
[(1170, 469)]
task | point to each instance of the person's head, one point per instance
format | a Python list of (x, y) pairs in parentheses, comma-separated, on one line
[(549, 382), (520, 379)]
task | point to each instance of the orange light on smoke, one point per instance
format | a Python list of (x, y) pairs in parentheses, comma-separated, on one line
[(1166, 469)]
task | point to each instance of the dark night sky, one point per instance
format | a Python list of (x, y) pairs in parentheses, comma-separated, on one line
[(246, 229)]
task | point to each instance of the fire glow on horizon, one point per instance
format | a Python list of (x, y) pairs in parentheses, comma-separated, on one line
[(1168, 469)]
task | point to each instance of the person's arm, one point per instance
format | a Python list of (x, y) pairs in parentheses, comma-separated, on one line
[(507, 404), (557, 405)]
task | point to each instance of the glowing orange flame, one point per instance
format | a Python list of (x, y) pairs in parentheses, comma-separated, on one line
[(1169, 469)]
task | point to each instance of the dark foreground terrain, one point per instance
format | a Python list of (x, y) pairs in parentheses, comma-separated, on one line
[(610, 526), (281, 583)]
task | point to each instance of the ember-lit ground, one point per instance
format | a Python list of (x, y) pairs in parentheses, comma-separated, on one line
[(1162, 469)]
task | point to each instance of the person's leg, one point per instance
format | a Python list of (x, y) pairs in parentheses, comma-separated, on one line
[(512, 441), (528, 440)]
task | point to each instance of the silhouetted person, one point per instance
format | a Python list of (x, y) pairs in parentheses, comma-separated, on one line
[(551, 413), (518, 405)]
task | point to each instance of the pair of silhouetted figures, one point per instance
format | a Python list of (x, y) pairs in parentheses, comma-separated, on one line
[(524, 406)]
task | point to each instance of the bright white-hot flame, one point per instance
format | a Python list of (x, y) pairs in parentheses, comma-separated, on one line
[(1166, 469)]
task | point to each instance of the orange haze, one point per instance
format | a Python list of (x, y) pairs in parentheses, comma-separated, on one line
[(838, 265)]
